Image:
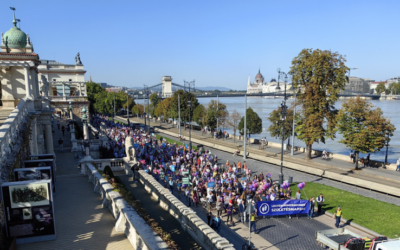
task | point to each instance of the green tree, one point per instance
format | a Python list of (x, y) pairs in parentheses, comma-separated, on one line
[(320, 75), (275, 129), (394, 88), (184, 100), (131, 104), (138, 109), (234, 122), (253, 123), (199, 115), (215, 111), (92, 89), (380, 88), (363, 127), (154, 100), (163, 108)]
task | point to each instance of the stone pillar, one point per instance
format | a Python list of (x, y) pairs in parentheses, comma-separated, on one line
[(27, 83), (85, 132), (85, 90), (34, 135), (80, 89), (49, 139), (64, 98)]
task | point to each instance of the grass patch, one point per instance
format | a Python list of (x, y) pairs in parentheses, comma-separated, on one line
[(171, 141), (378, 216)]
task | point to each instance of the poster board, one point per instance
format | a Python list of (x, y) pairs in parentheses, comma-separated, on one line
[(44, 163), (29, 210), (32, 174), (45, 156)]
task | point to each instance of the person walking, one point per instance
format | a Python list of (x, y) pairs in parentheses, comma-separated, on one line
[(242, 211), (253, 222), (219, 206), (63, 129), (217, 223), (229, 212), (171, 184), (312, 205), (320, 201), (61, 144), (338, 215), (367, 161), (398, 165), (209, 214), (298, 197)]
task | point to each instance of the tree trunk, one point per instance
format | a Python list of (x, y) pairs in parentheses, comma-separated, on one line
[(308, 151), (357, 152)]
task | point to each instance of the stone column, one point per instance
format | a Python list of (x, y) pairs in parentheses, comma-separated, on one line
[(80, 89), (49, 139), (64, 98), (85, 132), (27, 83), (85, 90), (34, 135)]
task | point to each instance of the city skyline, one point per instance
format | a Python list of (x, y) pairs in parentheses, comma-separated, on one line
[(217, 44)]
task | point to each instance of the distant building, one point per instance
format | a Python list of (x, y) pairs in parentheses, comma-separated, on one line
[(358, 85), (257, 86), (116, 89), (393, 80)]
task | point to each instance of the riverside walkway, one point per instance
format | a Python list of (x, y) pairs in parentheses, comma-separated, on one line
[(81, 222)]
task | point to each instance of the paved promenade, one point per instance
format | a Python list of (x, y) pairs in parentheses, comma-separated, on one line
[(81, 222)]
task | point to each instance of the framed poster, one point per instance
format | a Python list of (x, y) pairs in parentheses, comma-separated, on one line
[(32, 174), (45, 156), (44, 163), (29, 210)]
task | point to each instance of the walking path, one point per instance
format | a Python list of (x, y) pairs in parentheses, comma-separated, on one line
[(81, 222)]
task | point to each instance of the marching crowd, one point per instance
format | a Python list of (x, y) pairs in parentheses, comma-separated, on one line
[(199, 176)]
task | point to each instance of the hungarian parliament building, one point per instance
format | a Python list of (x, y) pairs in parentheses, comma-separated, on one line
[(260, 86)]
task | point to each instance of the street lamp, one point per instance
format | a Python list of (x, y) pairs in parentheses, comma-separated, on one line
[(189, 85), (127, 106), (294, 113), (387, 147), (283, 118)]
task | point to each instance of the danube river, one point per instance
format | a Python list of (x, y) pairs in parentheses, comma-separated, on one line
[(263, 107)]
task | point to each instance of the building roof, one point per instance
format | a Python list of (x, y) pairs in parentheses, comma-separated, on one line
[(259, 75)]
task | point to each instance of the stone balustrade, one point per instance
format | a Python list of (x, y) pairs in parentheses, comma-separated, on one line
[(138, 232), (189, 220)]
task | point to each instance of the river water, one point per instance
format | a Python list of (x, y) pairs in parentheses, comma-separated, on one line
[(264, 106)]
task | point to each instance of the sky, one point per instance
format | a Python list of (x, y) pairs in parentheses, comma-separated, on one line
[(216, 42)]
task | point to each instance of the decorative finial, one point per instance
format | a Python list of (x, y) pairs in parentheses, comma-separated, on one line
[(14, 21), (258, 70), (2, 38), (28, 39), (19, 23)]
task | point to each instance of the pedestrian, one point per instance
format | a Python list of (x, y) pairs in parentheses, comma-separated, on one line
[(338, 215), (298, 197), (60, 143), (351, 156), (219, 206), (398, 165), (312, 205), (58, 125), (367, 161), (253, 222), (179, 186), (171, 184), (242, 211), (229, 212), (209, 214), (217, 223), (63, 129), (320, 201)]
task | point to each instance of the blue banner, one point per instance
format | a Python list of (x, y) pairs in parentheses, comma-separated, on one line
[(172, 167), (282, 207), (211, 184)]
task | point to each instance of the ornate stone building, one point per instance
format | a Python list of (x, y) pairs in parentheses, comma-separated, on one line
[(257, 86)]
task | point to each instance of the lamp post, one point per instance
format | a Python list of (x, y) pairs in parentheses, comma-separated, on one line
[(85, 131), (245, 127), (127, 105), (283, 118), (189, 85), (294, 113)]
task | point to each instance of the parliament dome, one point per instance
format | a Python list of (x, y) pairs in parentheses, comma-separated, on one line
[(15, 38)]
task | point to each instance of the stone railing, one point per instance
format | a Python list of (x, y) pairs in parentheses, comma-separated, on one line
[(94, 144), (189, 220), (11, 126), (138, 232), (67, 98), (116, 164)]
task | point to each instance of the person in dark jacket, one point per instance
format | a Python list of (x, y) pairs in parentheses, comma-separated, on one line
[(209, 214), (242, 211)]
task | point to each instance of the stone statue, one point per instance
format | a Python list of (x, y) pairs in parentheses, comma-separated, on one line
[(78, 59), (130, 150), (45, 86)]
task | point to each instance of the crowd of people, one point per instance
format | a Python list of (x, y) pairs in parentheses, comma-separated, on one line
[(198, 175)]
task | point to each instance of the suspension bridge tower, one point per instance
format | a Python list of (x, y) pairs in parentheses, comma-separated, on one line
[(167, 86)]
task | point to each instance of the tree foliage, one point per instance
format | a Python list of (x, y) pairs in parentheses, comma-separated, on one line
[(92, 89), (131, 103), (319, 76), (163, 108), (275, 129), (394, 88), (253, 123), (184, 99), (363, 127), (199, 115), (215, 111), (138, 109), (154, 100), (233, 121), (380, 88)]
